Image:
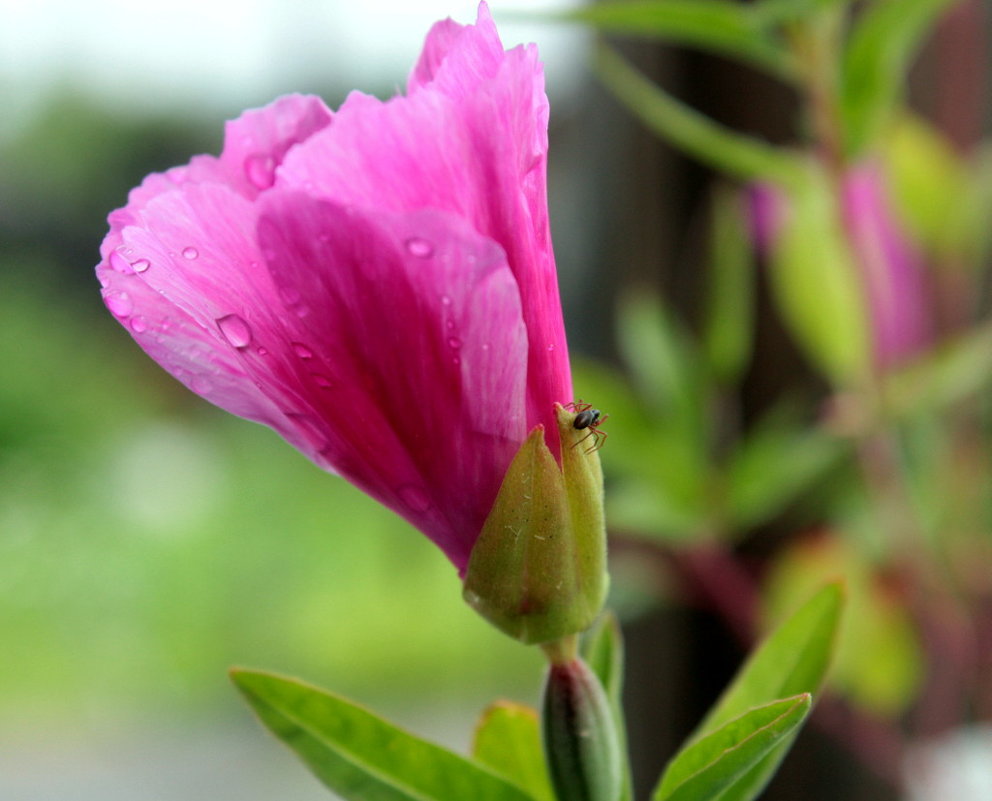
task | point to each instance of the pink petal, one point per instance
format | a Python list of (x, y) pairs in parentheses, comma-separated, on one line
[(457, 57), (891, 268), (417, 322), (255, 144), (474, 147), (209, 312)]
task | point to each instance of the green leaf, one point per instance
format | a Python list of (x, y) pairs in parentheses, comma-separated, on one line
[(930, 184), (785, 11), (729, 323), (713, 764), (779, 458), (360, 756), (878, 661), (508, 740), (793, 659), (817, 284), (953, 372), (881, 47), (661, 356), (719, 26), (685, 128), (602, 650)]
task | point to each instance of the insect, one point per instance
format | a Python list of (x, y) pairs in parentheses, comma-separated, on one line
[(587, 417)]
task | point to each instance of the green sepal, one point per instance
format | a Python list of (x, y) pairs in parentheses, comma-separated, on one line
[(360, 756), (538, 570)]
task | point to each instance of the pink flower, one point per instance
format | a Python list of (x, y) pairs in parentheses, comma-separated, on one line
[(895, 284), (376, 284)]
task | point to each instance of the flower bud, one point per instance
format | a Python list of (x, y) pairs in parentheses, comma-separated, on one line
[(580, 738), (538, 570)]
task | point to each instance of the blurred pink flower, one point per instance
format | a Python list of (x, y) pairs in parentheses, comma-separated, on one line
[(891, 271), (376, 284), (891, 268)]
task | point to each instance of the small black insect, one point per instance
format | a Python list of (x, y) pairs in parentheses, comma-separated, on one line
[(588, 417)]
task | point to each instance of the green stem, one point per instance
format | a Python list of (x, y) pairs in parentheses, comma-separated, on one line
[(739, 155)]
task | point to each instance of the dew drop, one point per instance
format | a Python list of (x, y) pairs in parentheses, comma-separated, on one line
[(190, 253), (302, 351), (261, 170), (141, 265), (322, 381), (485, 346), (416, 498), (421, 248), (119, 263), (445, 300), (450, 325), (551, 347), (201, 384), (456, 361), (119, 303), (235, 330), (139, 324), (454, 343), (262, 351)]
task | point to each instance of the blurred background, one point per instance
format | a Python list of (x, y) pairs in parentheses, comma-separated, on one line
[(783, 306)]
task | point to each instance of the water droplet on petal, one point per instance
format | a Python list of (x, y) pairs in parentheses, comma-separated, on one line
[(322, 381), (119, 263), (445, 300), (261, 170), (302, 350), (139, 324), (119, 303), (190, 253), (450, 325), (551, 347), (416, 498), (141, 265), (454, 342), (485, 346), (262, 351), (421, 248), (235, 330), (201, 384), (456, 361)]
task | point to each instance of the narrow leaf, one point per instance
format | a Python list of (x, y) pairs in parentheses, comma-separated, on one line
[(793, 659), (781, 457), (728, 326), (682, 126), (508, 740), (360, 756), (817, 284), (710, 766), (884, 42), (719, 26), (951, 373)]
